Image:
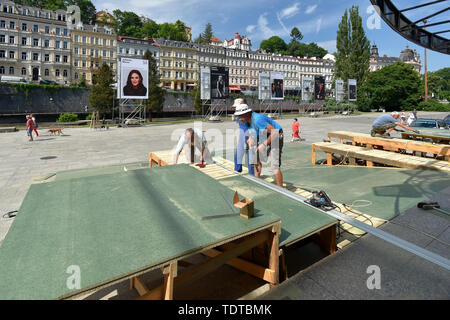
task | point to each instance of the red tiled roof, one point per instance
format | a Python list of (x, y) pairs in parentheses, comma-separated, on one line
[(215, 39)]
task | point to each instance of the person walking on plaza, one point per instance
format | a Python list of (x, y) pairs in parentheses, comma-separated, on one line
[(266, 135), (30, 128), (385, 123), (242, 146), (35, 125), (295, 131)]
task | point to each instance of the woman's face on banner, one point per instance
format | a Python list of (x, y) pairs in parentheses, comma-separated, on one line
[(135, 79)]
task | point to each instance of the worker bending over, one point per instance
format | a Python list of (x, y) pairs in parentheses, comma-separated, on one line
[(384, 124), (195, 142)]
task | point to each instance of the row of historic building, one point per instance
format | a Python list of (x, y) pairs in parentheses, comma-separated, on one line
[(38, 44)]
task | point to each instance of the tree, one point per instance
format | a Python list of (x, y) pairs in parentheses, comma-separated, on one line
[(155, 92), (102, 95), (82, 82), (353, 48), (176, 31), (394, 87), (444, 74), (87, 10), (296, 35), (205, 37), (274, 45), (126, 23), (196, 100)]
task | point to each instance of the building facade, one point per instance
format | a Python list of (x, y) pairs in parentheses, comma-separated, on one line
[(92, 45), (129, 47), (178, 64), (259, 61), (34, 44), (407, 56), (238, 42)]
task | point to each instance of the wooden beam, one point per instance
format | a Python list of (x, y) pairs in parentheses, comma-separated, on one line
[(136, 283), (246, 266), (198, 272)]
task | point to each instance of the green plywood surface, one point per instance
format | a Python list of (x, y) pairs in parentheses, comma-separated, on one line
[(297, 220), (112, 226), (390, 191)]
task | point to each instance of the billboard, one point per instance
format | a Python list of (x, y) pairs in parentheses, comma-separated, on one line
[(319, 88), (307, 88), (264, 88), (133, 78), (205, 83), (352, 93), (340, 93), (219, 83), (277, 85)]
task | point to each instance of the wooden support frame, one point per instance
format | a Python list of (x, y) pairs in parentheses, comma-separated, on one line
[(327, 239), (218, 258), (153, 158)]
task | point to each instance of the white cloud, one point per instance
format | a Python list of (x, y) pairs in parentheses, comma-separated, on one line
[(329, 45), (318, 25), (311, 9), (290, 11), (250, 28)]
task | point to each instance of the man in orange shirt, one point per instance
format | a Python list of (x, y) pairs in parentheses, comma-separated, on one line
[(295, 131)]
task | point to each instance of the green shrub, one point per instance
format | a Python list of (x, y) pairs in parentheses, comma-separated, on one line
[(68, 117), (434, 106), (89, 116)]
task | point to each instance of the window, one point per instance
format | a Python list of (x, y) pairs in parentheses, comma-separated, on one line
[(12, 25), (11, 70), (2, 24), (24, 56), (24, 27), (2, 53), (76, 50), (24, 71), (11, 39), (65, 45), (57, 31), (35, 56), (65, 73), (57, 58), (104, 53), (46, 57), (12, 54), (2, 70), (2, 38), (76, 76), (47, 29), (57, 44), (36, 42), (46, 43), (35, 28), (84, 51), (57, 73), (76, 38), (84, 39), (65, 32), (65, 59)]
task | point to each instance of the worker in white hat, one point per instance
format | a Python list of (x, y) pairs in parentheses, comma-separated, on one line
[(267, 136), (242, 146), (385, 123)]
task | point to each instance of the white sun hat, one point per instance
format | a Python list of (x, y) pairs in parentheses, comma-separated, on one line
[(242, 109)]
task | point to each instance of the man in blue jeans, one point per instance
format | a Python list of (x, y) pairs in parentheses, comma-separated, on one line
[(242, 147), (385, 123), (266, 136)]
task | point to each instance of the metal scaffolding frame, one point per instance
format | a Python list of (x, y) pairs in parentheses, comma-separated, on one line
[(411, 30)]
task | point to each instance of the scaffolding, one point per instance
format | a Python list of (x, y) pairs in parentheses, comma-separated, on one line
[(131, 112), (212, 110)]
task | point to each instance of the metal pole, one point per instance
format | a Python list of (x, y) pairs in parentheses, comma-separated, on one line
[(426, 77)]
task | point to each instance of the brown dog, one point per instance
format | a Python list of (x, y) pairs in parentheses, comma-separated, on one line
[(56, 130)]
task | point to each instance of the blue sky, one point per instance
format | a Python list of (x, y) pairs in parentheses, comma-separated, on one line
[(318, 20)]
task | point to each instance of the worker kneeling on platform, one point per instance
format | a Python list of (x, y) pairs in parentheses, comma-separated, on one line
[(196, 149), (265, 140), (384, 124)]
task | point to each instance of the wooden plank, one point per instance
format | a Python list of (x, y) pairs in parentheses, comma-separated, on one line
[(383, 157), (169, 275), (141, 288)]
